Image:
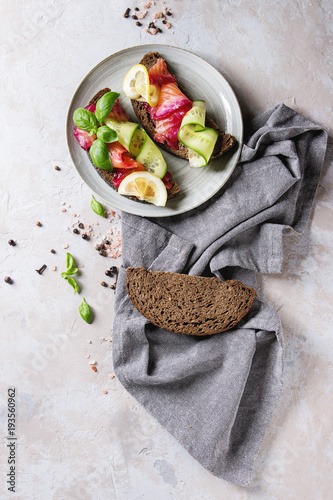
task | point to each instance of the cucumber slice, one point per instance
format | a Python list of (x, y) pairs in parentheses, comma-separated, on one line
[(151, 157), (140, 145), (137, 142), (196, 115), (199, 140), (125, 131)]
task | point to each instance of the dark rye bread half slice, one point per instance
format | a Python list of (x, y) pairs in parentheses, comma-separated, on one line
[(194, 305), (107, 176), (224, 143)]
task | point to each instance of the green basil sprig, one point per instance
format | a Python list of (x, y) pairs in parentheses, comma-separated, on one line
[(106, 134), (97, 207), (85, 120), (73, 283), (100, 155), (85, 311), (104, 105), (71, 266)]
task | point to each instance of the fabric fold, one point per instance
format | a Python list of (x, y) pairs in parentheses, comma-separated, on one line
[(217, 394)]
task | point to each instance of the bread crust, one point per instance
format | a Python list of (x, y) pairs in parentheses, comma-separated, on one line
[(192, 305), (225, 142)]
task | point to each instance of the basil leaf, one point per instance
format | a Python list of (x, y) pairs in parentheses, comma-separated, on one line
[(73, 283), (85, 120), (100, 155), (97, 207), (69, 272), (106, 134), (69, 261), (85, 311), (104, 105)]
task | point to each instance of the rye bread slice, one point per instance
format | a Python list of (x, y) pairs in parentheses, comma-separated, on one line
[(193, 305), (224, 143), (107, 176)]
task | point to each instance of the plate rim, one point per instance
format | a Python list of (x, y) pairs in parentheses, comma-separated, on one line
[(179, 211)]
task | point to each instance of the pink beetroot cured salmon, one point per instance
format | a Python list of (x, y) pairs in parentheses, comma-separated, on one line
[(171, 107)]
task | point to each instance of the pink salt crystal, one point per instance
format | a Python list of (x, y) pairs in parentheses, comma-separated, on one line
[(86, 226), (153, 31), (147, 31), (63, 210), (168, 26), (88, 234), (117, 216), (65, 245), (111, 376), (54, 268), (74, 215), (140, 15), (105, 391), (106, 247)]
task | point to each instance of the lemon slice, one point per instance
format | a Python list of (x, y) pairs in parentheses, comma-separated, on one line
[(145, 186), (136, 85)]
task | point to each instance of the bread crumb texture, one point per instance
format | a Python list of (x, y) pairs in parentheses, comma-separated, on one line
[(193, 305)]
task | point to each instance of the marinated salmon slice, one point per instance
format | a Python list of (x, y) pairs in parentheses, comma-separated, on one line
[(159, 73), (171, 98), (167, 128), (172, 105)]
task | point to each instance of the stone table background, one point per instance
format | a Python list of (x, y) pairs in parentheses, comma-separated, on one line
[(74, 441)]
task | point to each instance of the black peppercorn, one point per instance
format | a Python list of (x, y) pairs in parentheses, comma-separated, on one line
[(81, 226), (164, 21), (56, 167), (138, 23), (134, 16), (8, 280), (52, 250), (103, 283), (39, 224), (108, 273), (76, 231), (158, 30), (127, 12), (85, 236), (102, 253), (11, 243), (113, 269), (113, 287), (136, 8), (168, 13)]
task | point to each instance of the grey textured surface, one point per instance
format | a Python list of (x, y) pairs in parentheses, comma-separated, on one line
[(217, 394)]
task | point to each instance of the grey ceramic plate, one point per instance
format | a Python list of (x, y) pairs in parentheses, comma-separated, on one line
[(201, 81)]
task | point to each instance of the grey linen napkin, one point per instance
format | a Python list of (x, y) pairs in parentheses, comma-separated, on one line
[(216, 394)]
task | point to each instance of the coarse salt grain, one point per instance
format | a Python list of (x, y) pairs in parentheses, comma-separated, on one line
[(65, 245), (54, 268), (87, 356), (92, 362), (63, 203), (68, 206)]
